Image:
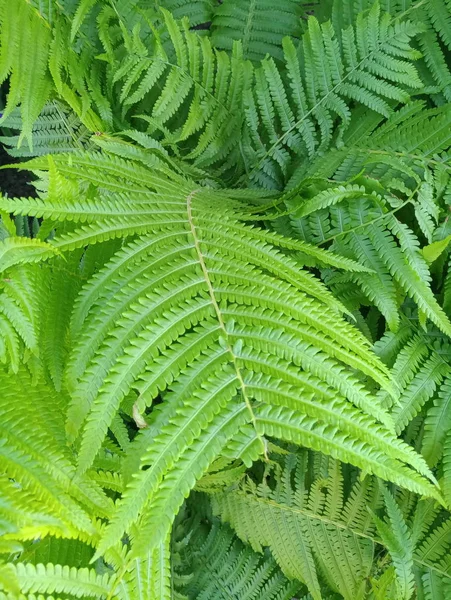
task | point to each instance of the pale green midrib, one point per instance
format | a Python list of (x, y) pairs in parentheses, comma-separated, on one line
[(211, 292)]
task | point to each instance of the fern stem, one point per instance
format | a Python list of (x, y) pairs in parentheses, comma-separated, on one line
[(428, 161), (411, 9), (248, 27), (221, 320)]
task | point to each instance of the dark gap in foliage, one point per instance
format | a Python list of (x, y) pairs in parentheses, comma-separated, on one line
[(12, 182)]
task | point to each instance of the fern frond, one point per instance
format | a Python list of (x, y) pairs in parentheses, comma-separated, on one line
[(314, 508), (54, 130), (21, 294), (42, 579), (41, 465), (148, 577), (72, 553), (198, 12), (422, 370), (24, 43), (205, 310), (395, 535), (447, 469), (433, 41), (20, 250), (220, 566), (358, 223), (259, 25), (307, 531), (287, 122)]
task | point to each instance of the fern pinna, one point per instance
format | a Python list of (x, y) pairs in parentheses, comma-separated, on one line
[(224, 312)]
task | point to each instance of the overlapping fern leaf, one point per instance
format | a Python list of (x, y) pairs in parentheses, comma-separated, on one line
[(420, 361), (41, 492), (196, 308), (212, 563), (55, 130), (326, 529), (305, 528), (24, 47), (21, 295), (360, 221), (172, 85), (188, 94)]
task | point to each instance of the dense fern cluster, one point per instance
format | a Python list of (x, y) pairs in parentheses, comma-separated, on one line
[(225, 312)]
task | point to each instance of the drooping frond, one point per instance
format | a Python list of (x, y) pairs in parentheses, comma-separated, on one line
[(24, 46)]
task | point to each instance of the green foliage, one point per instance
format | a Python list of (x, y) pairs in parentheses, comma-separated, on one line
[(213, 563), (24, 46), (260, 26), (55, 130), (224, 312), (322, 527)]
